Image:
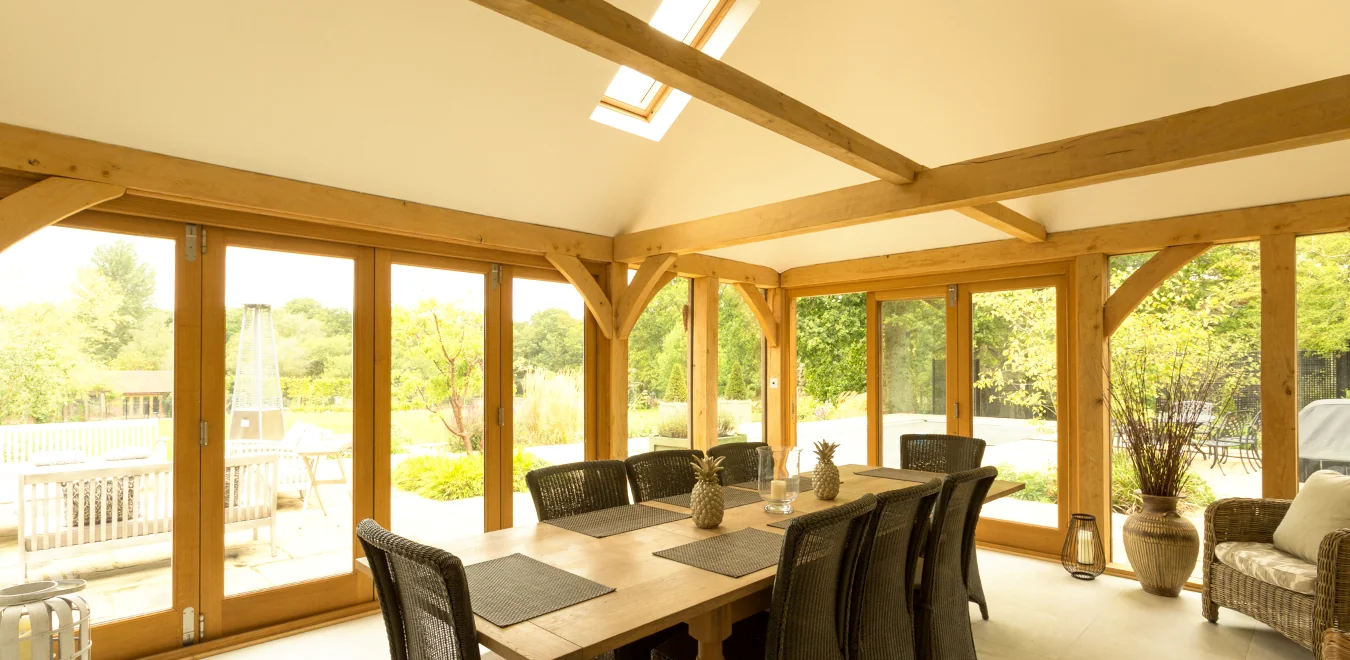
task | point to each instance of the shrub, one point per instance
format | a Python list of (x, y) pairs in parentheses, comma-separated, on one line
[(726, 424), (521, 463), (400, 441), (445, 477), (1041, 485), (676, 389), (552, 410), (735, 388), (673, 426), (1196, 493)]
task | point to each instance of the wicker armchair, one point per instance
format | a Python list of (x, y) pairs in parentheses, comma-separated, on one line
[(1300, 617), (740, 461), (1336, 645), (942, 612), (881, 621), (657, 474), (935, 452), (424, 596), (808, 614), (574, 488)]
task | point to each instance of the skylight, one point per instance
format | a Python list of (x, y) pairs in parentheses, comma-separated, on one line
[(636, 103)]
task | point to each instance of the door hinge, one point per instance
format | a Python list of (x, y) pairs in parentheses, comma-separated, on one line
[(496, 275), (957, 408), (203, 240), (190, 247), (951, 295), (501, 416), (189, 626), (202, 437), (201, 627)]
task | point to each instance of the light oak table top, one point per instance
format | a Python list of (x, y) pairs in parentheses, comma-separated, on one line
[(651, 593)]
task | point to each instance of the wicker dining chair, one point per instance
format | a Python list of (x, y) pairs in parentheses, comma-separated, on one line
[(740, 461), (424, 597), (881, 621), (575, 488), (947, 454), (807, 617), (942, 612), (657, 474), (1336, 645)]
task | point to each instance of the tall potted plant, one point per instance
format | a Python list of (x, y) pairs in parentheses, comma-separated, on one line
[(1158, 408)]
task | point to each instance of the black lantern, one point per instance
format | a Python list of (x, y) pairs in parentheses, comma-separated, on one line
[(1082, 556)]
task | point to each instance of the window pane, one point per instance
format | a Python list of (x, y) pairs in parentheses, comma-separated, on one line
[(1206, 317), (1323, 354), (740, 369), (288, 360), (832, 375), (658, 372), (436, 407), (681, 19), (86, 353), (913, 371), (1016, 386), (550, 382)]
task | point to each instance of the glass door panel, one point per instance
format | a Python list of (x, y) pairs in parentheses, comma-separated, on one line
[(658, 372), (913, 371)]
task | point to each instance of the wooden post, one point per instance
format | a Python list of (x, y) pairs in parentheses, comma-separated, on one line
[(614, 405), (703, 372), (775, 368), (1279, 367), (874, 418), (1091, 449)]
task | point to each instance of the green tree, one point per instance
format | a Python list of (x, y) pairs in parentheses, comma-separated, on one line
[(656, 339), (552, 341), (676, 388), (735, 389), (832, 345), (438, 366), (739, 341), (115, 293)]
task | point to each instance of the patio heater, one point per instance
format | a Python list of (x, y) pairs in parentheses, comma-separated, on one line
[(255, 404), (1083, 556)]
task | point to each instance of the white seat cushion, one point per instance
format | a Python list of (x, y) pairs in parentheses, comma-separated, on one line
[(1321, 507), (1268, 564)]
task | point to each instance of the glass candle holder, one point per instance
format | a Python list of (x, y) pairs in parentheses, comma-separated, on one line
[(779, 477)]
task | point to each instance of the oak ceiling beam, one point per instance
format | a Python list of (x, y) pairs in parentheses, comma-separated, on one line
[(46, 203), (760, 308), (575, 272), (1291, 118), (607, 31), (726, 270), (151, 175), (1145, 281), (640, 292)]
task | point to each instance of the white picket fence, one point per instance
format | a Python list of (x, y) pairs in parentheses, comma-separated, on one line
[(18, 443)]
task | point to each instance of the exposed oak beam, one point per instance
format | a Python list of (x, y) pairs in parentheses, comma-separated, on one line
[(640, 292), (760, 308), (575, 272), (1146, 280), (1301, 116), (146, 174), (46, 203), (1006, 220), (726, 270)]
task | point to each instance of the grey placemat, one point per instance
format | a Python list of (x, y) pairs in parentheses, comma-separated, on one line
[(754, 485), (517, 588), (617, 520), (734, 555), (898, 474), (731, 498), (782, 524)]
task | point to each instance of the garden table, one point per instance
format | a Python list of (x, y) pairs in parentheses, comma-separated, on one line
[(313, 453), (651, 593)]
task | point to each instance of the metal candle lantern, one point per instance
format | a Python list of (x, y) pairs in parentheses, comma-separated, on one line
[(1083, 556), (44, 621)]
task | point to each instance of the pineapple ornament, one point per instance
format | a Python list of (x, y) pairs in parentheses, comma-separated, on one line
[(825, 479), (705, 503)]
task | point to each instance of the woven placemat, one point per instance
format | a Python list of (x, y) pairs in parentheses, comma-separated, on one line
[(754, 485), (898, 474), (737, 554), (517, 588), (731, 498), (782, 524), (617, 520)]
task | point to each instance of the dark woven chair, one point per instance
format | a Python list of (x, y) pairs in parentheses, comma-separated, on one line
[(740, 461), (574, 488), (881, 623), (942, 610), (658, 474), (424, 596), (948, 454), (807, 617)]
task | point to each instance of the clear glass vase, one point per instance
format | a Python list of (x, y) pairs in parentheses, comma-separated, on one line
[(779, 477)]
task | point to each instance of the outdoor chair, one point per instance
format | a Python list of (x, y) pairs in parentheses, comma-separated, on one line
[(570, 489), (881, 626), (1236, 432), (658, 474), (948, 454), (942, 610), (808, 613), (740, 461)]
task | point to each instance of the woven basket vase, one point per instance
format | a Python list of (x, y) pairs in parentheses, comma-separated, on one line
[(1163, 547)]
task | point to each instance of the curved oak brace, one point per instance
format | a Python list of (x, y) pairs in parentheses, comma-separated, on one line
[(576, 273), (48, 202), (1145, 280), (760, 307), (649, 279)]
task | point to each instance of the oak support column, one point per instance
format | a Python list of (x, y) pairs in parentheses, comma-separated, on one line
[(703, 364), (776, 400), (1279, 367), (613, 407), (1091, 453)]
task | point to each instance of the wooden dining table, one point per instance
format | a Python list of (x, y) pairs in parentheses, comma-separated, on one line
[(651, 593)]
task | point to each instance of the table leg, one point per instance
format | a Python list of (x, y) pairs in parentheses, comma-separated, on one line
[(311, 467), (710, 629)]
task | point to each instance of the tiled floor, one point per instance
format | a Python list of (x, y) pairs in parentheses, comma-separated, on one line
[(1037, 613)]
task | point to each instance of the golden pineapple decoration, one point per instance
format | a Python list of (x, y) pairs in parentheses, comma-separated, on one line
[(705, 503), (825, 480)]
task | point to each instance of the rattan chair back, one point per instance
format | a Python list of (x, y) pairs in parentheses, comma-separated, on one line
[(935, 452), (740, 461), (657, 474), (942, 617), (881, 620), (424, 597), (575, 488)]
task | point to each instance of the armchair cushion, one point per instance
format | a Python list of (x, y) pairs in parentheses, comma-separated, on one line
[(1321, 507), (1264, 562)]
